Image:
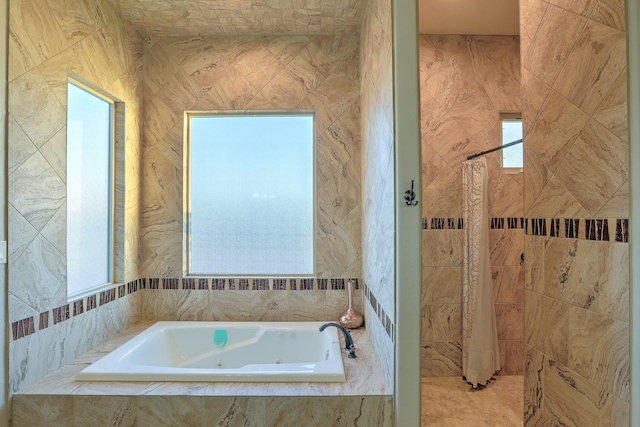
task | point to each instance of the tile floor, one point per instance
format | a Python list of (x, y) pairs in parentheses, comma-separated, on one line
[(450, 401)]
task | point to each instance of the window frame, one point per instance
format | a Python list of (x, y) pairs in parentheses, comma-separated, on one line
[(510, 116), (111, 262), (187, 187)]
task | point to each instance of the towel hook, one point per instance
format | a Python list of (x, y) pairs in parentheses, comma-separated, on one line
[(409, 196)]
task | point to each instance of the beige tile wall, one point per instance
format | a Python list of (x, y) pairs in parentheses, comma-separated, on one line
[(252, 17), (466, 81), (48, 40), (378, 177), (319, 73), (576, 157)]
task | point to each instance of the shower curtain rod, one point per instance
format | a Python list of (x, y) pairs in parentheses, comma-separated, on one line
[(482, 153)]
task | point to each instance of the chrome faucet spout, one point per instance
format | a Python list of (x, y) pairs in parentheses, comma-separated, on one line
[(348, 341)]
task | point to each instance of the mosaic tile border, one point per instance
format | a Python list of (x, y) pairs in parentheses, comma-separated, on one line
[(441, 223), (387, 323), (596, 229), (28, 326), (249, 284)]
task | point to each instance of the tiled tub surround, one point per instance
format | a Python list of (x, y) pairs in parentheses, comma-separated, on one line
[(378, 172), (108, 312), (318, 73), (364, 399), (465, 83), (229, 299), (49, 40)]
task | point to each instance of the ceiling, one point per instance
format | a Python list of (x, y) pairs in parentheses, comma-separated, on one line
[(227, 17), (309, 17), (486, 17)]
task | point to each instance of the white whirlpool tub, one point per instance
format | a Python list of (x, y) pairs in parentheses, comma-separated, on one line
[(225, 352)]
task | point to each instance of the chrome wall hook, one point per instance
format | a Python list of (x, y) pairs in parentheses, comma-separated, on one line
[(409, 196)]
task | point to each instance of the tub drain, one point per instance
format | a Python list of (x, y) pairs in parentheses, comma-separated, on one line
[(220, 364), (278, 361)]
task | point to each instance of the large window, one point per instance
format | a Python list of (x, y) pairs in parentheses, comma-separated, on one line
[(512, 157), (250, 197), (89, 190)]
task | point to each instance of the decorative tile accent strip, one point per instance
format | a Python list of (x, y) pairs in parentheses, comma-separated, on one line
[(23, 328), (590, 229), (515, 222), (260, 285), (306, 284), (437, 223), (458, 223), (603, 229), (539, 226), (91, 302), (386, 322), (217, 284), (571, 228), (497, 223), (132, 286), (595, 229), (44, 320), (337, 284), (243, 284), (622, 230), (279, 284), (188, 283), (60, 314), (77, 307), (107, 296), (169, 283)]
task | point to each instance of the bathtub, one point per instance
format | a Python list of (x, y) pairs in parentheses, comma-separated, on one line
[(225, 352)]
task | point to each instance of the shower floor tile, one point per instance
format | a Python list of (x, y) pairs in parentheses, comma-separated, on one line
[(450, 401)]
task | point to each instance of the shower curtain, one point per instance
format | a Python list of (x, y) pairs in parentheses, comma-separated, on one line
[(480, 353)]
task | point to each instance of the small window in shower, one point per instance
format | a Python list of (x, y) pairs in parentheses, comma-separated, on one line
[(90, 188), (250, 194), (512, 156)]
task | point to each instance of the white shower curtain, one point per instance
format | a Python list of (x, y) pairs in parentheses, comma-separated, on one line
[(480, 353)]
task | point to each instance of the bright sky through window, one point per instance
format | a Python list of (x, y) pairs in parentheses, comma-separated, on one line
[(89, 189), (512, 157), (251, 194)]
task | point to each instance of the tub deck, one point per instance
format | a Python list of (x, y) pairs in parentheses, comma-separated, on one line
[(59, 399)]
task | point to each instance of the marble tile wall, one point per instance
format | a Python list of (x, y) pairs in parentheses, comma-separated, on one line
[(319, 73), (465, 82), (252, 17), (244, 299), (59, 399), (48, 41), (576, 183), (378, 178)]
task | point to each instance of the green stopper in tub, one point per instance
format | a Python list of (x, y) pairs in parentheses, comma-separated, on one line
[(220, 337)]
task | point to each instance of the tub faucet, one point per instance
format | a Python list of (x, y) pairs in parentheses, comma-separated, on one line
[(348, 341)]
